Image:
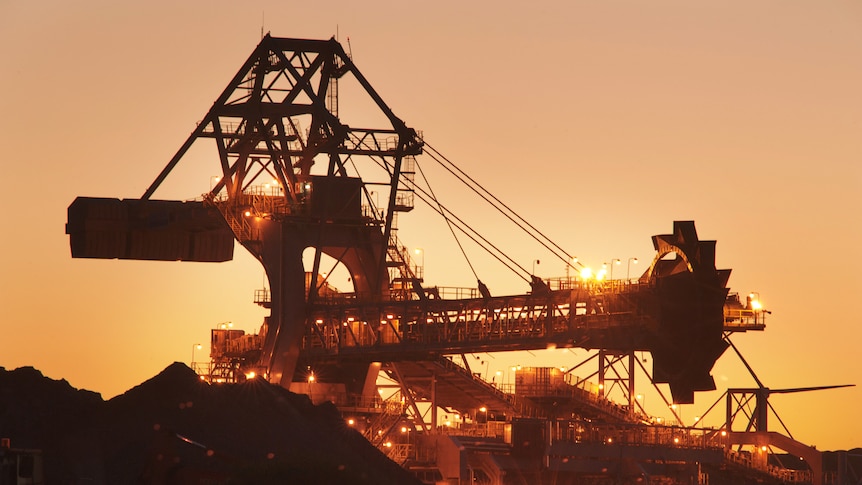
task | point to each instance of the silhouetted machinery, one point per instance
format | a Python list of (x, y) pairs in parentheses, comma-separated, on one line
[(290, 181), (269, 200)]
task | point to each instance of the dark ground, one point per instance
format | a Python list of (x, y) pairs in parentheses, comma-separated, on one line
[(174, 428)]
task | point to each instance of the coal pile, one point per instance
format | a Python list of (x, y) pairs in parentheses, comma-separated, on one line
[(175, 428)]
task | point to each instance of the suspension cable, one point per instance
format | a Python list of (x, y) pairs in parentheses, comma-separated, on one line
[(448, 221), (466, 229), (481, 191), (485, 244)]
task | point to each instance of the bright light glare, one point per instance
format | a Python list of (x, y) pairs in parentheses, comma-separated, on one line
[(586, 273)]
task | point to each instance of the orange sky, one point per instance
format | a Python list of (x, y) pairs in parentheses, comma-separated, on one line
[(600, 122)]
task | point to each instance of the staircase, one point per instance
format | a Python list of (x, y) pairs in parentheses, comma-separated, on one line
[(392, 412), (404, 273), (235, 218)]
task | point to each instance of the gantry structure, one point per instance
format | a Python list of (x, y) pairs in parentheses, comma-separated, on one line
[(292, 179)]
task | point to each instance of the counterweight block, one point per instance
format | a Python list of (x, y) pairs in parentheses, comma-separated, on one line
[(155, 230)]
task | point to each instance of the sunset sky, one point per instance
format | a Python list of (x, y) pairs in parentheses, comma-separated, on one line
[(600, 122)]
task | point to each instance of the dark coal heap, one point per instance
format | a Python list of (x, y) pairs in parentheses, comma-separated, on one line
[(174, 428)]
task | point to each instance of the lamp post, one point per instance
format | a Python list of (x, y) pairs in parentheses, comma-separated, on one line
[(514, 380), (482, 416), (535, 262), (754, 301), (629, 265), (613, 262), (753, 304), (572, 261), (195, 347), (677, 415), (421, 269)]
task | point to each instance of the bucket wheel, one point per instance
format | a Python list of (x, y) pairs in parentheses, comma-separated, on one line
[(691, 294)]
